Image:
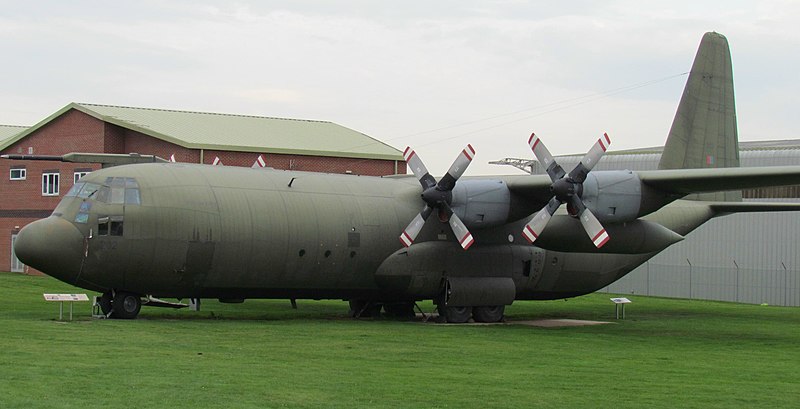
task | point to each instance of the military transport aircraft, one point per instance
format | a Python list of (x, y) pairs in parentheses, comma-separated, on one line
[(188, 231)]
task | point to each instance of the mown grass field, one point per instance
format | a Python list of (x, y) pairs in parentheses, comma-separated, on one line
[(667, 353)]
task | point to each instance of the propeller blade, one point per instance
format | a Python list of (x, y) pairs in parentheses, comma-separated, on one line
[(593, 228), (413, 229), (259, 163), (457, 169), (535, 227), (591, 158), (460, 230), (554, 170), (418, 168)]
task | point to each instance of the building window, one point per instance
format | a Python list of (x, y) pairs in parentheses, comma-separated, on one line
[(16, 265), (18, 174), (50, 184), (79, 174)]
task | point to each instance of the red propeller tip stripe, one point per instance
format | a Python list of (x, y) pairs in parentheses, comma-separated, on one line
[(529, 234), (406, 239), (466, 241)]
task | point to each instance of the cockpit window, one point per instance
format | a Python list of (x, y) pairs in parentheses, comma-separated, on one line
[(74, 191), (117, 190), (89, 189), (83, 190)]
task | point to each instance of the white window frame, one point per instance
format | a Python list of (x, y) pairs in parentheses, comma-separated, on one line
[(22, 176), (78, 175), (50, 183), (16, 265)]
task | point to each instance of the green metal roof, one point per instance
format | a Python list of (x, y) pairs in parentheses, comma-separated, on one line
[(9, 131), (227, 132)]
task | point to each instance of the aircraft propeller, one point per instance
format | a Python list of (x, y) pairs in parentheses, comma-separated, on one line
[(567, 188), (438, 196)]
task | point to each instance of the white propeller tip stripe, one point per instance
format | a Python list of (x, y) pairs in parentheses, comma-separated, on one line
[(533, 141), (529, 234), (600, 239), (469, 152), (467, 241), (408, 153), (405, 239), (259, 163)]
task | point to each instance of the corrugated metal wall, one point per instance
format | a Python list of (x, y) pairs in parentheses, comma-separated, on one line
[(747, 257)]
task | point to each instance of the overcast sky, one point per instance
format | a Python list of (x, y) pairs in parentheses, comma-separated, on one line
[(434, 75)]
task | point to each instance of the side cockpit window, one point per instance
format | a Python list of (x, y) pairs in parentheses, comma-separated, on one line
[(110, 226)]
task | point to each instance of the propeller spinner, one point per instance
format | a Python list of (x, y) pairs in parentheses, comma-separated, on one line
[(567, 188), (438, 196)]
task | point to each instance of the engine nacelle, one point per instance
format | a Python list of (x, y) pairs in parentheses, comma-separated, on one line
[(613, 196), (482, 203)]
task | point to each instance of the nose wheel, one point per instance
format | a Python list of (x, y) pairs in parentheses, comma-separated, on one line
[(120, 304)]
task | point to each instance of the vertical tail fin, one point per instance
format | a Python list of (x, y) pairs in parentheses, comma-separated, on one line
[(704, 132)]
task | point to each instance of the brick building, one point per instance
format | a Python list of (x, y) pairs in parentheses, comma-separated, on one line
[(30, 190)]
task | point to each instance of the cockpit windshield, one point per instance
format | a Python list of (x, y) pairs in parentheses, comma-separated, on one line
[(115, 190)]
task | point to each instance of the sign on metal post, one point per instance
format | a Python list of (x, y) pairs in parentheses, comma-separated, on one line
[(619, 304), (65, 297)]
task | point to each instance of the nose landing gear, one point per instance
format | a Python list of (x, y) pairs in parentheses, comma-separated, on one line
[(120, 304)]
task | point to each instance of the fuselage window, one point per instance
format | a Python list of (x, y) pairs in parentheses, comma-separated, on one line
[(116, 226), (109, 225), (102, 226)]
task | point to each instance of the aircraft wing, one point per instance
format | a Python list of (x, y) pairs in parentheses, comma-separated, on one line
[(534, 187), (686, 181)]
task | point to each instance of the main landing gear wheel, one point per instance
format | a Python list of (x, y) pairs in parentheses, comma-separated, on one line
[(126, 305), (105, 303), (493, 313), (455, 315)]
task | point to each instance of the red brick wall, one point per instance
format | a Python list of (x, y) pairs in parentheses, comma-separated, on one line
[(73, 131), (27, 194), (114, 139)]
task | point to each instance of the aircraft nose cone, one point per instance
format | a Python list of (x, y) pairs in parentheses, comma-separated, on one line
[(53, 246)]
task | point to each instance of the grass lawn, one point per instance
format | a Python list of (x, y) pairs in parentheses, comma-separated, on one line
[(667, 353)]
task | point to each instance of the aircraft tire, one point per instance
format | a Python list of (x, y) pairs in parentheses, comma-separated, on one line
[(493, 313), (104, 301), (126, 306), (455, 315)]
